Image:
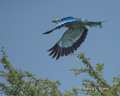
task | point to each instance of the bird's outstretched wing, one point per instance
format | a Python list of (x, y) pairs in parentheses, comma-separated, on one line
[(50, 31), (64, 22), (69, 42)]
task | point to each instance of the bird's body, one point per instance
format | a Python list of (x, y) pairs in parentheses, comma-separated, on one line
[(73, 37)]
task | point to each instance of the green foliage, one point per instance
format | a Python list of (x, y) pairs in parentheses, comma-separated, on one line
[(98, 87), (24, 83)]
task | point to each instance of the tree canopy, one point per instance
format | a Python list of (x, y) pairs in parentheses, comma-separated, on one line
[(24, 83)]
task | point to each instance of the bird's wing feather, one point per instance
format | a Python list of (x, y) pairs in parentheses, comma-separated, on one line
[(69, 42), (50, 31)]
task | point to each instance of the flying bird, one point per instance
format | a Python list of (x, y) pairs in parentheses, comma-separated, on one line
[(73, 36)]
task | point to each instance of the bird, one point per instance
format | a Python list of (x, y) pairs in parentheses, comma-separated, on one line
[(73, 37)]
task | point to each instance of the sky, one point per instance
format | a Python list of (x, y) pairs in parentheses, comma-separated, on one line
[(22, 23)]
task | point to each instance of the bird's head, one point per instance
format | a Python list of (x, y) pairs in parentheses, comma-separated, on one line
[(56, 21)]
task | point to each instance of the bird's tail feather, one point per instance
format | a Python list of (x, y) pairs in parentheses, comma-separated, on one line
[(94, 24)]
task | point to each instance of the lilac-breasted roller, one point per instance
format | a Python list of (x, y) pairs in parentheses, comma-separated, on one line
[(73, 36)]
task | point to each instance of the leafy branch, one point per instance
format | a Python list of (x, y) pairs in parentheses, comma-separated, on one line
[(24, 83), (100, 86)]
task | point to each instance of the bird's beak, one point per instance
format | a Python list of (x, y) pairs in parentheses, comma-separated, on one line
[(54, 21)]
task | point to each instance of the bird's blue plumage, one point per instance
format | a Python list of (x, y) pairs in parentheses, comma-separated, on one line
[(66, 21), (73, 37)]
